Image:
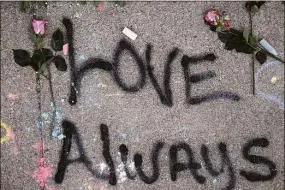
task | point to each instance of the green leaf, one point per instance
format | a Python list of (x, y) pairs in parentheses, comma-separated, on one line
[(60, 63), (40, 57), (259, 3), (246, 33), (234, 39), (22, 57), (43, 67), (254, 6), (57, 40), (47, 54), (254, 9), (24, 5), (261, 57), (121, 3), (96, 3), (219, 29), (253, 41), (230, 45), (82, 2), (213, 28), (244, 48), (33, 35), (37, 60)]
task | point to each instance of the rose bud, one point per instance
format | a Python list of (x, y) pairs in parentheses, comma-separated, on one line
[(39, 26)]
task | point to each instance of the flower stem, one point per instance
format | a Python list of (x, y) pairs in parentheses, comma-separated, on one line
[(253, 58), (51, 93), (40, 120), (52, 100), (270, 54)]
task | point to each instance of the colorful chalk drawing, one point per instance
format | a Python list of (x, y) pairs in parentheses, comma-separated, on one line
[(6, 137), (42, 173), (9, 134)]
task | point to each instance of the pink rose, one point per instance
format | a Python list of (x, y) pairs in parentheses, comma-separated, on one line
[(100, 6), (65, 49), (211, 17), (39, 26)]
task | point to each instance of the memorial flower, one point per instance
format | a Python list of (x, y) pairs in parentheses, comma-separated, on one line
[(39, 26), (241, 41), (217, 20), (211, 17), (40, 60)]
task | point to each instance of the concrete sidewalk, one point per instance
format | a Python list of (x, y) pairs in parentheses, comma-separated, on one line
[(230, 129)]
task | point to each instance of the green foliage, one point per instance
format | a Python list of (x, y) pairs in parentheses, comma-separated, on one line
[(261, 57), (234, 39), (241, 42), (82, 2), (96, 3), (60, 63), (253, 41), (47, 53), (22, 57), (57, 40), (254, 6), (29, 5), (33, 35), (121, 3), (39, 59), (24, 6), (246, 34)]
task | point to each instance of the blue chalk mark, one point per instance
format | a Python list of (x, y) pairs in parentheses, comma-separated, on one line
[(39, 123), (56, 131)]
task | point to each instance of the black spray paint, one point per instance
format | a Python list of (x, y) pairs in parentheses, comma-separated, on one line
[(123, 149), (144, 66), (166, 96), (77, 73), (124, 45), (225, 162), (185, 62), (192, 165), (254, 176), (155, 165), (69, 35), (70, 132), (176, 166), (106, 153)]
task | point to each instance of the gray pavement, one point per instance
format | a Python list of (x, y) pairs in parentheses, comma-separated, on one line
[(140, 120)]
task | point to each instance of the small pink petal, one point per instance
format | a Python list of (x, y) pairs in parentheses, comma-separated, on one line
[(65, 49), (100, 6)]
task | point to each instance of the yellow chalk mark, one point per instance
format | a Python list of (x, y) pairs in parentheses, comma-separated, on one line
[(7, 132)]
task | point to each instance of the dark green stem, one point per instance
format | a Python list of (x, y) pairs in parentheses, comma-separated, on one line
[(40, 120), (52, 100), (253, 58), (51, 93)]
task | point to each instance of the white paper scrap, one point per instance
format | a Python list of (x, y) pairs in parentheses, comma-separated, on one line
[(268, 47), (130, 33)]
